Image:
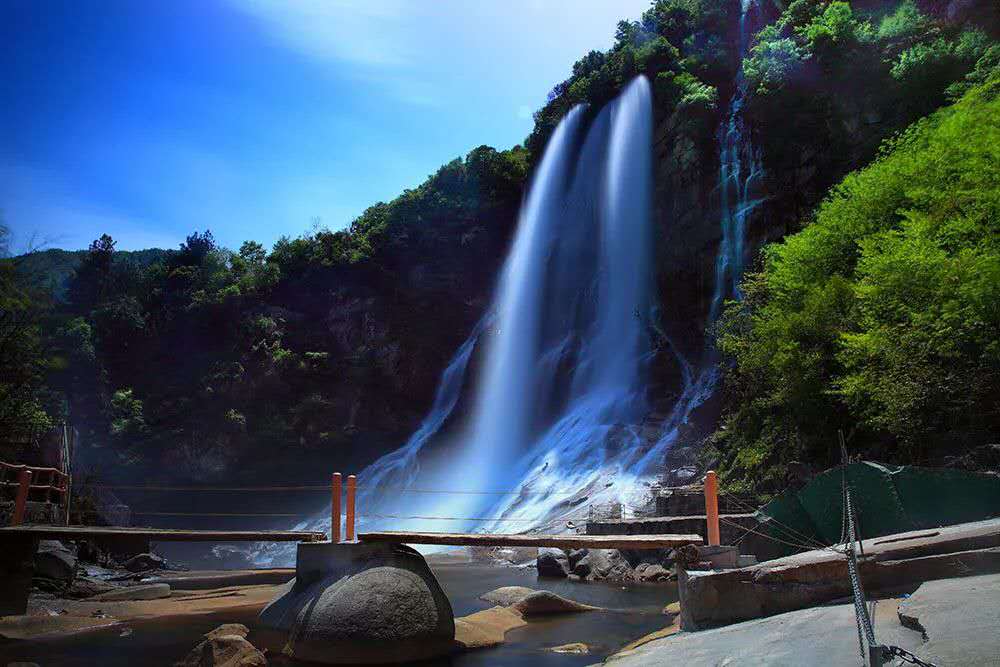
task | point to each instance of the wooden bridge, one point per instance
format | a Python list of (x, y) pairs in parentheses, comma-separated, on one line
[(567, 541), (18, 543)]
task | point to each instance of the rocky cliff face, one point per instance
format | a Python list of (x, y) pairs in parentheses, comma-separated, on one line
[(393, 334)]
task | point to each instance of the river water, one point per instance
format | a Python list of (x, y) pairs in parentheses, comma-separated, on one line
[(636, 610)]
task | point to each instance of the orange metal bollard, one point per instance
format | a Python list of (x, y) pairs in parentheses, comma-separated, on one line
[(712, 507), (23, 484), (351, 487), (335, 509)]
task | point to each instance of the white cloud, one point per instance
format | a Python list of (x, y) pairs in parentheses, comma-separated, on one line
[(363, 32)]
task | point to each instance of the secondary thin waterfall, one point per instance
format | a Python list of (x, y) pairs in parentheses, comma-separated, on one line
[(739, 170)]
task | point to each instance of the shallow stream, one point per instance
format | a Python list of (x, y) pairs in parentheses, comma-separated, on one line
[(165, 640)]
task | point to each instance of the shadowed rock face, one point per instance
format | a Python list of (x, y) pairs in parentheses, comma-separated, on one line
[(362, 604)]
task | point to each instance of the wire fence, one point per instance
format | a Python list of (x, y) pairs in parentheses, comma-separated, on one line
[(595, 512), (326, 489)]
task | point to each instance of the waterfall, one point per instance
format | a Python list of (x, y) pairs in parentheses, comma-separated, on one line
[(564, 344), (556, 423)]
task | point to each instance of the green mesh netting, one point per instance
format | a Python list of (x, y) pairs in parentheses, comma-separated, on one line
[(889, 499)]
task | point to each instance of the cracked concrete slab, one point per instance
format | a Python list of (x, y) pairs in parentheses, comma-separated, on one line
[(960, 619)]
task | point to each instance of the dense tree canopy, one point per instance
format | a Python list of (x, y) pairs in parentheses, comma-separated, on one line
[(882, 316)]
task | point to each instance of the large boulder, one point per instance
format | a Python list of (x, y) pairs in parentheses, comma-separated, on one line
[(55, 562), (552, 563), (145, 563), (600, 564), (226, 646), (362, 604)]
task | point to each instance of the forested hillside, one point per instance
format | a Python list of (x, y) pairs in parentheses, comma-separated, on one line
[(882, 317), (877, 314)]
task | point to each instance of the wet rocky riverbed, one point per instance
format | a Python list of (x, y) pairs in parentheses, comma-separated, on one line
[(635, 609)]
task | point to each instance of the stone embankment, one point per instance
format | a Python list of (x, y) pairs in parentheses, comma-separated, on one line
[(891, 563), (945, 622)]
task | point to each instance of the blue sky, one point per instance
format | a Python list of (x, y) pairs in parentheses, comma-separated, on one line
[(148, 119)]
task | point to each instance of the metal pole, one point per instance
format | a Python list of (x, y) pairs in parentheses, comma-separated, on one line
[(351, 486), (335, 509), (712, 507), (24, 484), (875, 656), (67, 495)]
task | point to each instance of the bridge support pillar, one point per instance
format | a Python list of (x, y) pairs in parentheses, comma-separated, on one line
[(17, 566), (361, 603)]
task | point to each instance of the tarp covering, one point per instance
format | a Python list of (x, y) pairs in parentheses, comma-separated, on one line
[(888, 499)]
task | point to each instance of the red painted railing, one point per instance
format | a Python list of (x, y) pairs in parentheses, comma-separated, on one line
[(48, 485)]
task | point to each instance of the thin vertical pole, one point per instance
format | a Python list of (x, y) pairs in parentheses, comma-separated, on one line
[(24, 483), (67, 494), (335, 508), (351, 486), (712, 507)]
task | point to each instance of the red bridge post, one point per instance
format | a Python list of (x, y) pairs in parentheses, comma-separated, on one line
[(335, 509), (712, 507), (24, 484), (352, 482)]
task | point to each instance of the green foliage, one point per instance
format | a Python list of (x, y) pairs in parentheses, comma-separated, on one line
[(927, 68), (127, 420), (680, 45), (26, 407), (881, 314), (810, 36), (904, 24), (773, 61), (485, 179)]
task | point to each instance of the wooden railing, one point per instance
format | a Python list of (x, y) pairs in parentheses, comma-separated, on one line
[(48, 485)]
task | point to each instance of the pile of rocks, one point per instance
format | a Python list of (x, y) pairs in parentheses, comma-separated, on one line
[(72, 571), (605, 565)]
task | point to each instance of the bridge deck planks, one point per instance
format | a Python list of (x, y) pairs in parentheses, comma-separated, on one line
[(528, 540), (160, 534)]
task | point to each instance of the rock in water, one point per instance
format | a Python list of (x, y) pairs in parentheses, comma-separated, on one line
[(54, 561), (576, 648), (600, 564), (652, 572), (507, 596), (226, 646), (362, 604), (85, 587), (546, 602), (145, 563), (529, 602), (552, 564)]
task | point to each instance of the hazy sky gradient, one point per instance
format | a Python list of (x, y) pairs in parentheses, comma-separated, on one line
[(148, 120)]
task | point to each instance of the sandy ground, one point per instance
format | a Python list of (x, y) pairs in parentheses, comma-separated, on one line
[(48, 616)]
